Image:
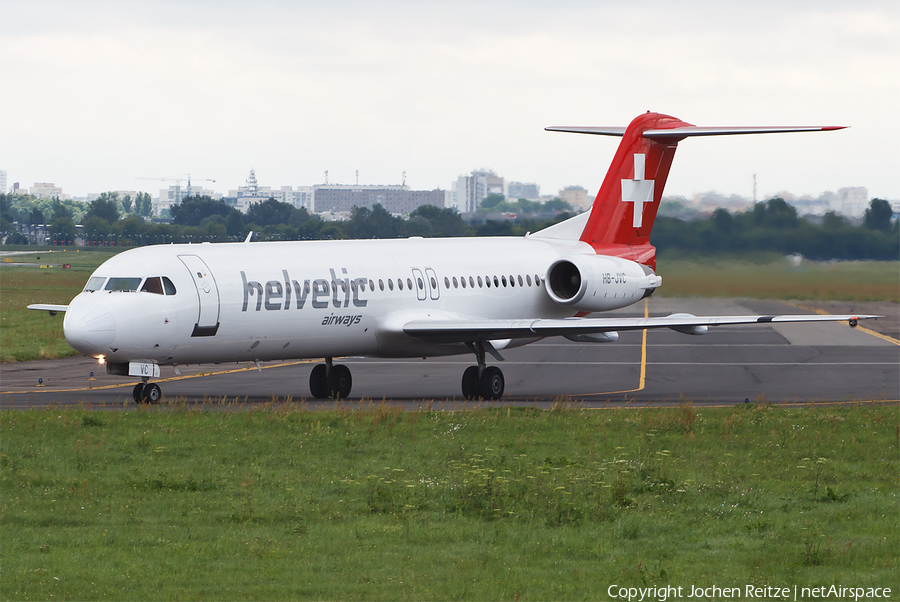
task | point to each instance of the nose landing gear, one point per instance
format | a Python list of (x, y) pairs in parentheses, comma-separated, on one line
[(146, 392)]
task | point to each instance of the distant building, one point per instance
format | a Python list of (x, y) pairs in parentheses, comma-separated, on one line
[(521, 190), (577, 196), (396, 199), (3, 181), (850, 202), (47, 190), (173, 195), (244, 196), (467, 192)]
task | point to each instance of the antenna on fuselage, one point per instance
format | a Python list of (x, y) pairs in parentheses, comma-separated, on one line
[(249, 237)]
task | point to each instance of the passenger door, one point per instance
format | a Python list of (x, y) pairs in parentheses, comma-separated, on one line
[(207, 294)]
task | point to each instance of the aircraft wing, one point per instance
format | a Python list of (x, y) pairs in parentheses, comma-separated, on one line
[(463, 331), (48, 307)]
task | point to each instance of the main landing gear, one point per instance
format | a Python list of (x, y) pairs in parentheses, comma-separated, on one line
[(146, 392), (485, 382), (327, 381)]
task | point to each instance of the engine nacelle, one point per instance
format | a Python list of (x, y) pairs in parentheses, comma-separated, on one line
[(599, 282)]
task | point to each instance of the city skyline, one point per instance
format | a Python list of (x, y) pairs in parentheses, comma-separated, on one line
[(106, 93)]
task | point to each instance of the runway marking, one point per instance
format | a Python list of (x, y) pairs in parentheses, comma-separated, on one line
[(602, 363), (700, 404), (643, 378), (822, 312), (654, 345), (159, 380)]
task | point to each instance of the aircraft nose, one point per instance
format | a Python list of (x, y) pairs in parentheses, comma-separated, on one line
[(89, 328)]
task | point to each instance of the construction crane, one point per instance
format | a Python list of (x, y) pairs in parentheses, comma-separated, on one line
[(178, 180)]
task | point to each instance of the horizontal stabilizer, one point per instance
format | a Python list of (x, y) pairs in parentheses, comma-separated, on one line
[(599, 131), (685, 132)]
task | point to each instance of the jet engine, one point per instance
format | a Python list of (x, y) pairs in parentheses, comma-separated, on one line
[(599, 282)]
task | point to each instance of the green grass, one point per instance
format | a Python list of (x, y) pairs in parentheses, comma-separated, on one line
[(28, 335), (511, 503), (770, 276)]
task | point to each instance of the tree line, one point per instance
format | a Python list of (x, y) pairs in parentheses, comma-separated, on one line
[(772, 225), (196, 219)]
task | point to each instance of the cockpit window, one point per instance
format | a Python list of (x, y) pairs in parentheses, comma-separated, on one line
[(152, 285), (123, 284), (95, 283), (170, 288)]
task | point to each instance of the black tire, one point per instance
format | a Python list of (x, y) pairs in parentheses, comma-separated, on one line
[(138, 393), (318, 384), (339, 382), (152, 393), (492, 383), (470, 382)]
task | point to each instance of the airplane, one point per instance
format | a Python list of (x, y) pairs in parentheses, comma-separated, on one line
[(178, 304)]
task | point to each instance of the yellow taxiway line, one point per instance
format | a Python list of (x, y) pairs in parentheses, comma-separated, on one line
[(822, 312), (160, 380)]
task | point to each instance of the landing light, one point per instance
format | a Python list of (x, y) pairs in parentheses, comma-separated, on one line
[(102, 360)]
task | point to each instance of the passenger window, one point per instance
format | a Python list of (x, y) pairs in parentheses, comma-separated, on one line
[(446, 282), (479, 283), (381, 284), (503, 279), (537, 280), (420, 283), (487, 281), (434, 284), (153, 285), (456, 283), (390, 284), (400, 283), (371, 285), (496, 282), (520, 280), (167, 284), (123, 284), (528, 279), (95, 283), (409, 283)]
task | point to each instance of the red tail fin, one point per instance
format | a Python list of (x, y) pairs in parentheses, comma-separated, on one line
[(626, 205)]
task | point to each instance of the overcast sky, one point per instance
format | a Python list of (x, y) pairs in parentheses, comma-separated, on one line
[(96, 94)]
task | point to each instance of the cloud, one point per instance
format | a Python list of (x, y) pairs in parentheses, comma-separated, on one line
[(106, 92)]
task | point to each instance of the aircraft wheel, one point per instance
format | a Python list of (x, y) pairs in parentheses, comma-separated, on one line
[(138, 392), (470, 382), (492, 383), (339, 382), (152, 393), (318, 383)]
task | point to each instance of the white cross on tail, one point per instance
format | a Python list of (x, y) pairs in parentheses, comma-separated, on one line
[(638, 190)]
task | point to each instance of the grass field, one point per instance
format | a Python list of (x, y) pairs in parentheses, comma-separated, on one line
[(374, 503), (770, 276), (27, 335)]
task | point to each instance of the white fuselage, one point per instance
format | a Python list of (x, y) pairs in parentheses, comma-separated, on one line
[(287, 300)]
